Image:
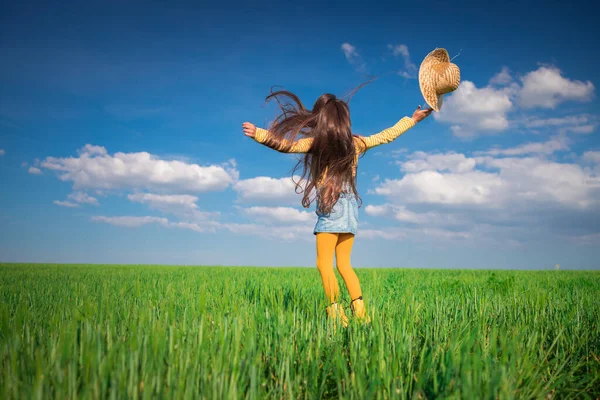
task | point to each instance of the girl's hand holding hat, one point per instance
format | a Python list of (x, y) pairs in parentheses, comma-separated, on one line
[(419, 115)]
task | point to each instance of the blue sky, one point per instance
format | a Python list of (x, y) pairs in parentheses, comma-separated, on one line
[(120, 137)]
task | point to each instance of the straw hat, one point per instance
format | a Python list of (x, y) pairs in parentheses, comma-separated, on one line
[(438, 76)]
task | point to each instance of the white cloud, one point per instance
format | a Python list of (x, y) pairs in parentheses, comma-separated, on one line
[(204, 227), (285, 215), (131, 222), (555, 144), (287, 233), (267, 189), (473, 187), (377, 211), (136, 222), (507, 196), (584, 129), (353, 57), (82, 197), (416, 234), (399, 50), (502, 78), (168, 200), (91, 150), (96, 169), (409, 66), (181, 205), (528, 180), (536, 180), (546, 88), (2, 152), (388, 234), (34, 171), (592, 157), (571, 120), (66, 204), (399, 213), (473, 110), (582, 124), (421, 161)]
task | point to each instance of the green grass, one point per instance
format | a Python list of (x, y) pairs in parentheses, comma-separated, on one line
[(219, 333)]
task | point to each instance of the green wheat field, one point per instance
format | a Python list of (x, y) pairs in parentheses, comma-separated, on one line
[(91, 331)]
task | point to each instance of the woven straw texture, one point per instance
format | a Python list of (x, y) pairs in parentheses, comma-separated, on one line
[(438, 76)]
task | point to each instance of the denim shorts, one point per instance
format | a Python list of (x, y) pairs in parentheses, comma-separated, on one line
[(343, 218)]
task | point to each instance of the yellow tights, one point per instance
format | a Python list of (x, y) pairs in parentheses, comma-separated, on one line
[(341, 244)]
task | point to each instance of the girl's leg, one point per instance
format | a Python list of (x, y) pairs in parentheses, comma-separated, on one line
[(326, 243), (343, 250)]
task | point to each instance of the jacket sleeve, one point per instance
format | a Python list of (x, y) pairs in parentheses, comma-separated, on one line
[(299, 146), (387, 135)]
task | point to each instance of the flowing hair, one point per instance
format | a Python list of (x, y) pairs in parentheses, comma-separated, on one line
[(328, 165)]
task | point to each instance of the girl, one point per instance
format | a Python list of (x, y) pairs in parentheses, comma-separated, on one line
[(329, 163)]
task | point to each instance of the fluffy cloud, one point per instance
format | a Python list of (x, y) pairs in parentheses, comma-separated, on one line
[(377, 211), (420, 161), (95, 168), (131, 222), (399, 50), (536, 180), (34, 171), (267, 189), (165, 200), (292, 232), (402, 214), (181, 205), (474, 187), (77, 198), (471, 110), (410, 68), (82, 197), (2, 152), (284, 215), (136, 222), (66, 204), (502, 78), (532, 179), (353, 57), (592, 157), (555, 144), (420, 235), (546, 88), (583, 124), (508, 192)]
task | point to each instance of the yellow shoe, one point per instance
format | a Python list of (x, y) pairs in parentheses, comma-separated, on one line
[(336, 313), (359, 311)]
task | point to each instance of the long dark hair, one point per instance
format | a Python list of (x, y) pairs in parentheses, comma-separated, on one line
[(329, 163)]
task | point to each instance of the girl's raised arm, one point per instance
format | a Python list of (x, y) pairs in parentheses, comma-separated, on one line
[(261, 136), (389, 134)]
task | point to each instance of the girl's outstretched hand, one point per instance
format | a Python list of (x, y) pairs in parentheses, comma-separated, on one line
[(249, 129), (419, 115)]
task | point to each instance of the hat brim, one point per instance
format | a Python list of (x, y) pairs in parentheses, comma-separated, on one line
[(428, 91)]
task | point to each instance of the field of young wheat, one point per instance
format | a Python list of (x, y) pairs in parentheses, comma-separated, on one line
[(219, 333)]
